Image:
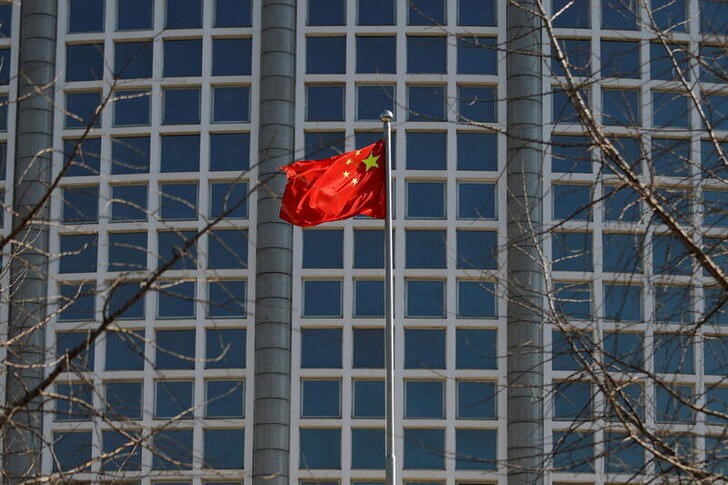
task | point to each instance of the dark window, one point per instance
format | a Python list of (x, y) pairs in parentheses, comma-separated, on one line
[(424, 349), (376, 12), (574, 451), (424, 449), (426, 54), (711, 163), (476, 299), (75, 402), (572, 13), (621, 204), (180, 153), (231, 104), (368, 248), (671, 157), (476, 349), (320, 398), (232, 13), (476, 400), (325, 103), (424, 399), (326, 55), (368, 348), (714, 208), (426, 150), (85, 16), (674, 353), (321, 348), (127, 296), (323, 249), (368, 399), (124, 400), (578, 56), (476, 449), (477, 55), (477, 151), (572, 202), (134, 14), (175, 349), (81, 109), (174, 450), (78, 253), (623, 302), (84, 62), (225, 399), (229, 199), (131, 108), (231, 57), (622, 253), (477, 103), (172, 244), (227, 249), (714, 352), (181, 106), (4, 66), (121, 455), (81, 205), (670, 110), (563, 110), (572, 401), (716, 401), (368, 298), (426, 103), (320, 449), (621, 59), (77, 301), (176, 299), (133, 59), (130, 155), (662, 61), (476, 201), (125, 350), (226, 299), (371, 100), (620, 14), (323, 144), (225, 348), (71, 450), (624, 351), (179, 201), (218, 443), (670, 15), (229, 151), (129, 203), (566, 349), (570, 154), (6, 19), (67, 341), (184, 14), (713, 64), (477, 13), (426, 12), (716, 108), (621, 107), (172, 399), (322, 298), (477, 249), (376, 54), (673, 404), (182, 58), (572, 251), (425, 248), (673, 304), (574, 300), (326, 12), (669, 256), (713, 17), (425, 200), (127, 251), (425, 298), (367, 449)]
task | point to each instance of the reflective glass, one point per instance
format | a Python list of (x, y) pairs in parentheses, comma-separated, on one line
[(572, 251), (320, 449), (325, 103), (425, 200), (573, 300), (477, 151), (179, 201), (182, 57), (477, 103), (129, 203), (133, 60), (424, 348), (368, 348), (477, 201), (78, 253), (174, 449), (322, 298), (477, 12), (376, 12), (130, 155), (323, 144), (669, 256), (81, 109), (663, 61), (623, 454), (6, 19), (77, 301), (226, 298), (176, 299), (227, 249), (573, 451), (476, 349), (623, 302), (71, 449), (673, 304), (476, 299), (670, 15), (326, 12), (670, 109), (367, 449), (622, 253), (621, 204), (425, 248), (224, 348), (180, 153), (671, 157), (229, 200), (320, 399), (714, 355), (134, 14), (426, 54), (84, 62), (716, 402), (67, 341), (131, 108), (624, 351), (426, 150), (368, 248), (477, 249), (424, 449), (84, 162), (620, 14), (578, 55), (326, 55), (368, 399), (713, 17), (231, 57), (80, 205), (714, 204), (425, 298), (426, 103), (673, 404), (218, 445), (621, 107), (124, 350), (476, 400), (674, 353), (368, 298), (173, 398), (181, 106), (376, 54), (620, 59), (121, 296), (567, 348), (477, 55), (122, 453), (371, 100), (175, 349), (225, 399), (476, 449), (563, 111), (426, 12), (323, 248), (127, 251), (232, 13), (184, 14), (572, 400), (321, 348), (573, 13), (229, 151), (75, 402), (124, 400), (424, 399)]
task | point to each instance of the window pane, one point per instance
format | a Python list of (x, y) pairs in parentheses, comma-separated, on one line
[(84, 62), (572, 251), (673, 404), (130, 154), (476, 151), (663, 60), (573, 300), (325, 103), (321, 348), (78, 253), (368, 248), (125, 350), (218, 446), (225, 399), (67, 341), (670, 14), (715, 357), (426, 150), (669, 256), (623, 302), (182, 58), (476, 299), (621, 204), (85, 16), (477, 12), (426, 12), (75, 402), (572, 401), (179, 201), (476, 349), (326, 12), (673, 304), (232, 13), (622, 253), (81, 205), (71, 449), (371, 100), (578, 55), (376, 54), (367, 449), (477, 249), (122, 296), (231, 57), (176, 299), (323, 144), (229, 200), (425, 298), (368, 399), (623, 454), (477, 55), (77, 301), (181, 106), (477, 103), (323, 249), (128, 251), (368, 298), (563, 110), (174, 450), (131, 108), (670, 109), (425, 248), (713, 17), (227, 249), (621, 107), (84, 162), (376, 12), (322, 298), (573, 13), (424, 399), (476, 201), (424, 449), (133, 60), (573, 451), (184, 14), (620, 59), (424, 349), (229, 151), (122, 453), (674, 353), (671, 157), (129, 203), (175, 349), (426, 103), (180, 153), (173, 398), (620, 14), (326, 55), (623, 351), (425, 200), (124, 400), (426, 54), (320, 399), (476, 400), (368, 348), (134, 14), (81, 109), (226, 299), (714, 204), (476, 449), (716, 401), (320, 449), (4, 66), (225, 348), (6, 17)]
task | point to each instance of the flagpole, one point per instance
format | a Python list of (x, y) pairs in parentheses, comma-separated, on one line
[(390, 463)]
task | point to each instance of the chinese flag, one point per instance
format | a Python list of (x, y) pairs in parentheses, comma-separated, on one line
[(335, 188)]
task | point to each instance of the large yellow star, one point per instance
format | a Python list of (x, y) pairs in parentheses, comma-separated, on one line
[(371, 161)]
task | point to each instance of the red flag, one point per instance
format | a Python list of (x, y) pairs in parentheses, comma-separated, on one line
[(336, 188)]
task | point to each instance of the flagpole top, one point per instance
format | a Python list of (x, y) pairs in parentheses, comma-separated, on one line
[(386, 116)]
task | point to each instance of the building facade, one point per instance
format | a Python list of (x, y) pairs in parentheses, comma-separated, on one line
[(158, 104)]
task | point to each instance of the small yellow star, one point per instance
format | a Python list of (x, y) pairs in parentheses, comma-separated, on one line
[(346, 173), (355, 181), (358, 152), (348, 162)]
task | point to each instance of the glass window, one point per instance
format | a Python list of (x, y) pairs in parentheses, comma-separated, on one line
[(477, 13), (713, 17), (376, 12), (124, 350), (326, 12), (670, 109), (663, 60), (174, 449), (77, 301), (78, 253), (424, 449), (716, 401), (127, 251), (476, 299), (81, 109), (426, 103), (184, 14), (371, 100), (477, 201), (673, 404), (713, 64), (325, 103), (67, 341), (326, 55), (84, 62), (426, 12), (229, 152), (180, 153), (572, 202), (4, 66), (623, 454), (424, 399), (714, 203), (323, 144), (476, 349), (320, 399), (578, 55), (71, 450), (124, 400), (573, 451), (477, 103), (322, 298), (83, 154), (175, 349), (670, 15), (573, 300), (572, 401), (227, 249), (232, 13), (671, 157), (321, 348), (572, 251), (630, 398), (81, 205), (176, 299), (133, 60), (476, 400), (179, 201), (563, 111), (368, 248), (75, 402), (624, 351), (477, 249), (6, 17), (225, 348), (424, 348), (631, 150), (425, 248), (368, 399), (712, 164), (367, 449), (621, 59), (426, 54), (225, 399), (134, 14), (674, 353), (172, 399), (621, 204), (425, 200), (476, 151), (567, 348), (572, 13), (231, 57), (368, 298), (622, 253), (620, 14), (621, 107), (715, 357), (425, 298), (226, 299), (130, 155), (368, 348), (477, 55), (131, 108), (376, 54), (426, 150), (182, 57), (122, 454), (181, 106), (320, 449), (218, 443), (715, 307), (129, 203), (623, 302), (673, 304), (121, 296), (229, 200), (476, 449), (669, 256)]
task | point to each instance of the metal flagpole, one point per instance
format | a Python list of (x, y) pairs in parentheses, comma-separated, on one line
[(390, 465)]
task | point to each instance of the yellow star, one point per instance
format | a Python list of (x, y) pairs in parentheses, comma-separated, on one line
[(357, 153), (355, 181), (348, 162), (371, 161), (346, 173)]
